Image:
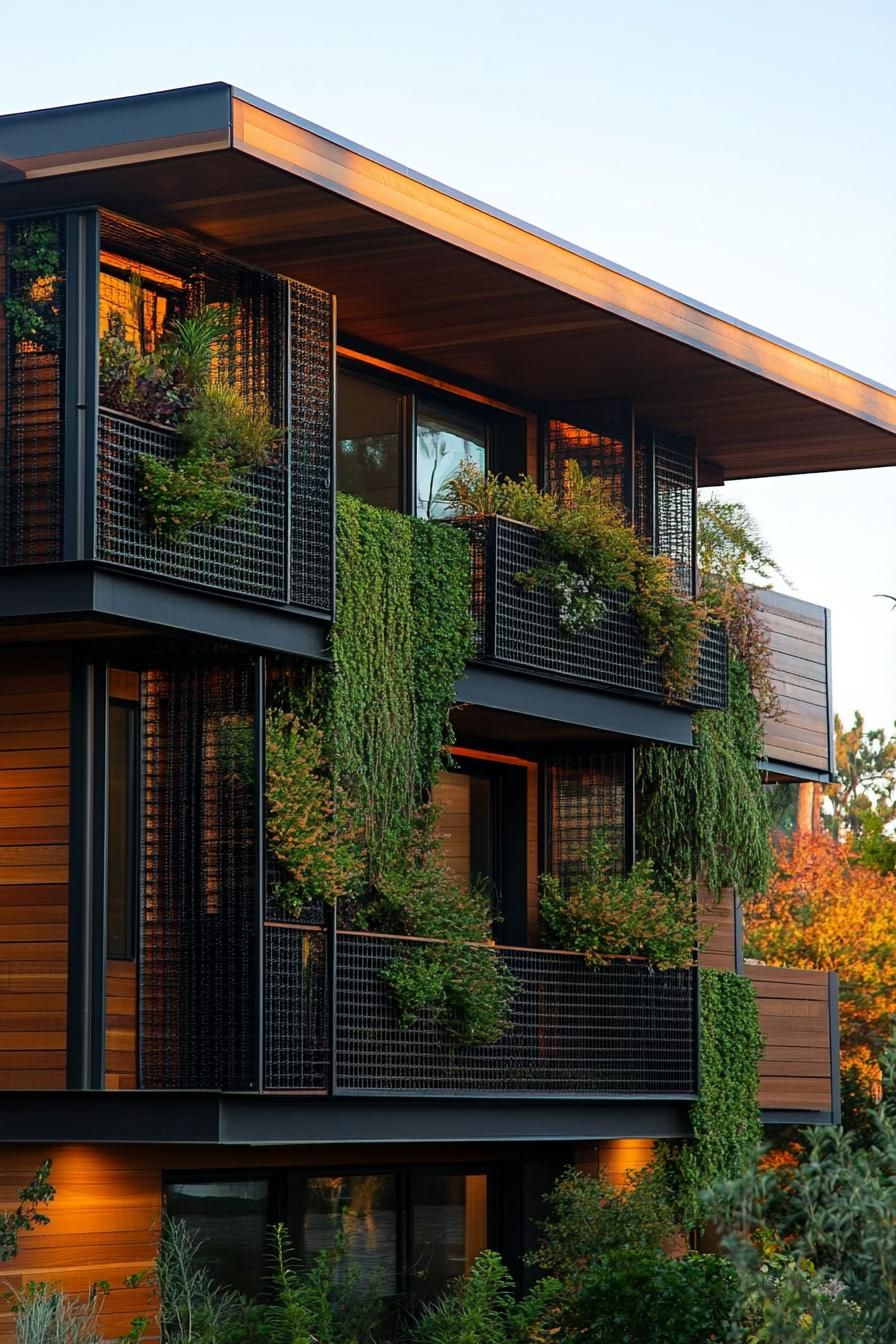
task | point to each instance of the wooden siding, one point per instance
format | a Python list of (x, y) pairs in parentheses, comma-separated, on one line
[(798, 639), (105, 1218), (121, 1024), (34, 829), (795, 1073), (451, 794), (717, 913)]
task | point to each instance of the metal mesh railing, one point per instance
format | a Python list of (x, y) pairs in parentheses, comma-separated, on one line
[(199, 845), (518, 625), (616, 1030), (296, 1008), (244, 554), (583, 794), (675, 486), (32, 375), (279, 343)]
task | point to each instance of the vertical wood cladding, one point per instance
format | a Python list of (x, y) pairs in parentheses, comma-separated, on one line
[(34, 822), (797, 634)]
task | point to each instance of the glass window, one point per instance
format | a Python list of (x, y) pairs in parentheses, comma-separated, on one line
[(450, 1228), (368, 441), (230, 1220), (443, 443), (365, 1209), (122, 840)]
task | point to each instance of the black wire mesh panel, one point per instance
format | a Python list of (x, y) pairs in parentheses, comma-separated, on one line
[(31, 414), (599, 449), (311, 393), (244, 554), (675, 488), (583, 794), (196, 978), (296, 1009), (279, 345), (617, 1030), (519, 625)]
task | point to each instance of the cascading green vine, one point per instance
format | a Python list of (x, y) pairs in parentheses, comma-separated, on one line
[(725, 1117), (706, 811)]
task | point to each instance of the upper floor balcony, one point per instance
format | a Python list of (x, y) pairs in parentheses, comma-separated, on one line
[(94, 413)]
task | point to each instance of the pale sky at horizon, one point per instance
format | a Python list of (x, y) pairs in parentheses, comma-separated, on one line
[(738, 153)]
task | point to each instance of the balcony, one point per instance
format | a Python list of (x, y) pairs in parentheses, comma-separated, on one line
[(616, 1031), (517, 627), (73, 521)]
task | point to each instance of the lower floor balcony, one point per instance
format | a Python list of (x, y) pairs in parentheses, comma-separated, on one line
[(616, 1030)]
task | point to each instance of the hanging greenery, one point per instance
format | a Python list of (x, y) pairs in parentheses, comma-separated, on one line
[(705, 811), (725, 1117), (589, 548), (224, 434), (605, 913), (33, 310)]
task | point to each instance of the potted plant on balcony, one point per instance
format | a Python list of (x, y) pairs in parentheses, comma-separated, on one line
[(588, 551), (223, 435)]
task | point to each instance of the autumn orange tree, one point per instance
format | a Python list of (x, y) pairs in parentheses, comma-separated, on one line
[(825, 910)]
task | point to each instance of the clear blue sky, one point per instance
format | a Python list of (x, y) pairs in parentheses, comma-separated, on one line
[(738, 152)]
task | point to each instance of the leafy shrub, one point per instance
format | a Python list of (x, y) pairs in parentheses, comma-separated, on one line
[(645, 1297), (482, 1309), (26, 1215), (193, 1308), (590, 1217), (589, 546), (321, 1303), (607, 913)]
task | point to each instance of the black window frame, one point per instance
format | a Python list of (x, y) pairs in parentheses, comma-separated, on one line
[(499, 425)]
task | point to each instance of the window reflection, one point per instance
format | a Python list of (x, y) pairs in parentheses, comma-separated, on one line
[(364, 1208), (230, 1221), (450, 1229), (368, 436), (443, 444)]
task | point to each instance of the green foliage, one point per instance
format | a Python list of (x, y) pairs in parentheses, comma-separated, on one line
[(192, 342), (862, 798), (607, 913), (463, 983), (192, 1307), (34, 312), (322, 1303), (725, 1117), (645, 1297), (482, 1309), (26, 1215), (590, 1217), (588, 547), (45, 1314), (224, 436), (705, 811), (136, 383), (732, 557)]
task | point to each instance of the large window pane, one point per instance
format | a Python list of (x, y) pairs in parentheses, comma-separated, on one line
[(230, 1219), (443, 444), (450, 1228), (121, 848), (368, 441), (365, 1209)]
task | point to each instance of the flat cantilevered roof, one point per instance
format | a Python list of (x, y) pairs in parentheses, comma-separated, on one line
[(455, 287)]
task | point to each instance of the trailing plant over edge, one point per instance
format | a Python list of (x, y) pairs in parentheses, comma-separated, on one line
[(589, 548), (34, 313), (725, 1117), (706, 811)]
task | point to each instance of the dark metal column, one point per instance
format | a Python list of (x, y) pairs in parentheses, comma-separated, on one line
[(81, 383), (260, 868)]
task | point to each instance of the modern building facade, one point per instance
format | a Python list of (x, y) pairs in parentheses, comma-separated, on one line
[(167, 1032)]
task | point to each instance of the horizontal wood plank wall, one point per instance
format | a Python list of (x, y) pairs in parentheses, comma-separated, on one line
[(451, 794), (104, 1221), (795, 1072), (797, 633), (717, 913), (34, 833), (121, 1024)]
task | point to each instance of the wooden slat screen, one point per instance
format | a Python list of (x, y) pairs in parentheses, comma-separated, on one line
[(798, 642), (795, 1072)]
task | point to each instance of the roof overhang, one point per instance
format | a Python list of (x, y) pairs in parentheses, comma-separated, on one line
[(455, 287)]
